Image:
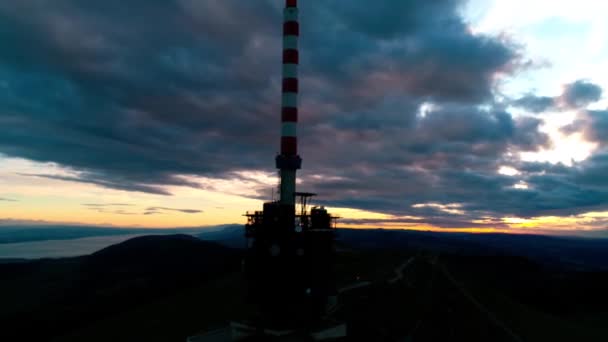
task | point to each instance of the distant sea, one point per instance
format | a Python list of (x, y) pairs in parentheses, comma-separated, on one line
[(60, 248)]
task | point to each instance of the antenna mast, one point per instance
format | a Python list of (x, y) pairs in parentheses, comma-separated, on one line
[(289, 161)]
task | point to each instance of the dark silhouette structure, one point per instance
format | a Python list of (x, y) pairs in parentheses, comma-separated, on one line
[(289, 257), (290, 248), (289, 263)]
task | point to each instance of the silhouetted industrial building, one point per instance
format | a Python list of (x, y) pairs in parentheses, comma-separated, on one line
[(290, 247)]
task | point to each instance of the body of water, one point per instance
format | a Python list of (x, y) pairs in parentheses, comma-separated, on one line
[(60, 248)]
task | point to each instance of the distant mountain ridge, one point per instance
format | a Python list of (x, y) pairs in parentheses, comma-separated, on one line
[(149, 285), (27, 233), (574, 252)]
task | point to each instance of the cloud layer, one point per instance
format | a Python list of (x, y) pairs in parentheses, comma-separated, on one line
[(399, 103), (119, 209), (576, 95)]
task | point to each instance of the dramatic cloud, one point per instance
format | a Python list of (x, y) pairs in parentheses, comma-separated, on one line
[(535, 104), (97, 178), (398, 109), (576, 95), (593, 124), (581, 93)]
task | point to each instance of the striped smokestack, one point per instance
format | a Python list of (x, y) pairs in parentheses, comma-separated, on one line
[(289, 161)]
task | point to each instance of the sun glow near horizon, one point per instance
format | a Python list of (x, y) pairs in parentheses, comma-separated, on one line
[(58, 201)]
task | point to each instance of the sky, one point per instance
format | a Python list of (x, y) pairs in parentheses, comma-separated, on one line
[(448, 115)]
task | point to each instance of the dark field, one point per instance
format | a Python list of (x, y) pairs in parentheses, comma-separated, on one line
[(424, 287)]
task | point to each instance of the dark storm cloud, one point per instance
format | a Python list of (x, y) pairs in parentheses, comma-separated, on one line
[(576, 95), (581, 93), (592, 123), (87, 178), (451, 156), (135, 95), (598, 125), (562, 190), (535, 104), (131, 101), (407, 47)]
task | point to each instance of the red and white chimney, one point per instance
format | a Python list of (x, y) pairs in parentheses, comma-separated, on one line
[(289, 161)]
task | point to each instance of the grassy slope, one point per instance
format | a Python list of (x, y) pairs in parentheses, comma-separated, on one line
[(173, 318), (535, 325), (427, 307), (57, 296)]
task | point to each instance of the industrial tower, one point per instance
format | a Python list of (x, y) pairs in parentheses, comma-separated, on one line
[(290, 249), (289, 161)]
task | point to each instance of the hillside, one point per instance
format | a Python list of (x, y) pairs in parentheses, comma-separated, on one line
[(394, 286), (29, 233), (57, 296)]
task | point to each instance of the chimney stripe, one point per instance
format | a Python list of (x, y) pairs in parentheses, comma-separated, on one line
[(290, 84), (289, 146), (290, 100), (290, 42), (289, 129), (291, 28), (290, 70), (289, 114), (290, 56)]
